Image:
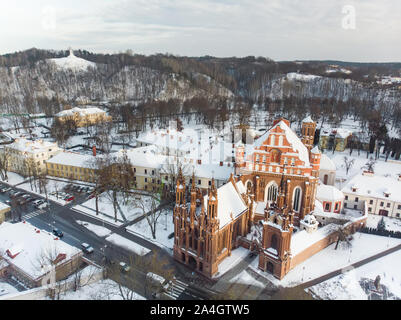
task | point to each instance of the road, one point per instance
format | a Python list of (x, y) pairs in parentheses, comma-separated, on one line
[(65, 219)]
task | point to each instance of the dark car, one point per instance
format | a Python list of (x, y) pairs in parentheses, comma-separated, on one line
[(58, 233)]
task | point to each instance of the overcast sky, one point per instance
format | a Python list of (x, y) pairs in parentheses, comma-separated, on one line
[(279, 29)]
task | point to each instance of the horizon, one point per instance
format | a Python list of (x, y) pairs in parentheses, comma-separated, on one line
[(311, 30)]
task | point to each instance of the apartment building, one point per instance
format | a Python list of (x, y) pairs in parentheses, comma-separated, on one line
[(29, 157), (84, 116), (72, 165), (381, 194)]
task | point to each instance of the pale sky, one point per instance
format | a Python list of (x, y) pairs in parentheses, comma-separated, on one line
[(358, 30)]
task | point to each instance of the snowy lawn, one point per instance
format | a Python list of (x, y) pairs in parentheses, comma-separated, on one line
[(128, 244), (98, 230), (392, 224), (328, 260), (142, 229), (102, 290), (347, 287), (14, 178), (381, 167), (128, 211)]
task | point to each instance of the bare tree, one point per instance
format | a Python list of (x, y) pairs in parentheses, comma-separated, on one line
[(348, 163), (4, 163), (370, 165)]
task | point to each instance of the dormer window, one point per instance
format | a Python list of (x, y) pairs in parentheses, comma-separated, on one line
[(354, 189), (387, 194)]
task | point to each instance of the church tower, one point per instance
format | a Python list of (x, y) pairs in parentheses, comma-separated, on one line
[(308, 132)]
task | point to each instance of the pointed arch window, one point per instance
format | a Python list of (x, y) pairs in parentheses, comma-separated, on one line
[(296, 201)]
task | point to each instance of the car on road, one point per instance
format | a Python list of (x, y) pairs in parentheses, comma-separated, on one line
[(7, 189), (42, 206), (86, 248), (2, 190), (38, 202), (124, 267), (158, 281), (58, 233), (8, 202)]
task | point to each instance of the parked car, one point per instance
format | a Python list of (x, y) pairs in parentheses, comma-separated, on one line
[(58, 233), (2, 190), (86, 248), (42, 206), (69, 198), (7, 189)]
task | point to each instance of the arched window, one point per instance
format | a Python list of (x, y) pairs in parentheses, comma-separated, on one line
[(280, 141), (274, 242), (326, 179), (296, 199), (272, 140), (271, 193)]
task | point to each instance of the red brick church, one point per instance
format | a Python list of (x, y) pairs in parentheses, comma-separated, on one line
[(274, 189)]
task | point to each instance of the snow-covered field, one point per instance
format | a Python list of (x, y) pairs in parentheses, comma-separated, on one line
[(14, 178), (142, 229), (128, 244), (98, 230), (346, 286), (129, 211), (328, 260)]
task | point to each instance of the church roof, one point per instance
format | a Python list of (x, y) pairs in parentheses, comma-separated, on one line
[(327, 164), (308, 120), (229, 202)]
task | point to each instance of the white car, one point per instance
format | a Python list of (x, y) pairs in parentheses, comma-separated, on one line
[(42, 206), (86, 248), (158, 280)]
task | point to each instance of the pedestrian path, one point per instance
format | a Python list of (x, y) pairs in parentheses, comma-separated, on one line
[(176, 289), (33, 214)]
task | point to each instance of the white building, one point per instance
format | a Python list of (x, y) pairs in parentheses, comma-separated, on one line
[(29, 157), (327, 171), (382, 194)]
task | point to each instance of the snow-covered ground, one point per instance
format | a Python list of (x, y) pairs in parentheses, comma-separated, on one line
[(347, 287), (328, 260), (102, 290), (98, 230), (52, 186), (392, 224), (128, 244), (245, 278), (228, 263), (6, 289), (381, 168), (129, 211), (14, 178), (142, 229)]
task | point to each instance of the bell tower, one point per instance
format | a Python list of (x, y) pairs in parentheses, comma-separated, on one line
[(308, 132)]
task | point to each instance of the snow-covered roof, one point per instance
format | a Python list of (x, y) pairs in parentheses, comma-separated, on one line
[(229, 202), (72, 63), (315, 150), (74, 159), (309, 219), (374, 187), (30, 244), (326, 163), (81, 111), (328, 193), (302, 240), (241, 187), (308, 120), (37, 146), (292, 138), (338, 132)]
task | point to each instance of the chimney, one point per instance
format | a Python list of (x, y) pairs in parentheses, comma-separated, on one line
[(94, 151), (199, 161), (399, 177), (221, 163)]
